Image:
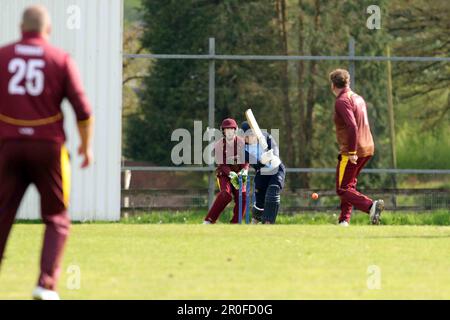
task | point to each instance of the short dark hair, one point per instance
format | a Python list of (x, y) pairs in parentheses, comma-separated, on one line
[(340, 78)]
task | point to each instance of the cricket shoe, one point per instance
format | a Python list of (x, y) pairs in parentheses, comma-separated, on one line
[(207, 222), (375, 211), (40, 293), (255, 221), (344, 224)]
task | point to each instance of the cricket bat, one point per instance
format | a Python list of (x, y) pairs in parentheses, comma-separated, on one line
[(255, 128), (275, 162)]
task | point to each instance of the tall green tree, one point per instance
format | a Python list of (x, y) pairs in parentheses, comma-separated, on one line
[(422, 28), (325, 28), (292, 96), (176, 90)]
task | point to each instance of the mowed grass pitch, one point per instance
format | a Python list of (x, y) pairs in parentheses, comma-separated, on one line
[(170, 261)]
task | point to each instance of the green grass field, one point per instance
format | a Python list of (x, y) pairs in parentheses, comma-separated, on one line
[(437, 218), (173, 261)]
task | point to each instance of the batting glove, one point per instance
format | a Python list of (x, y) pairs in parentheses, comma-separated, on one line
[(267, 156)]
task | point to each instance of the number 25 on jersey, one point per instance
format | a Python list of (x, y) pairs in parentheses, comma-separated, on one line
[(31, 71)]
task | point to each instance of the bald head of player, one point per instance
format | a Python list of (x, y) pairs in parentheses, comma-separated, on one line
[(36, 19)]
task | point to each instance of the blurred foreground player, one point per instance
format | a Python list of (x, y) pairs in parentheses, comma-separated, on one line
[(35, 78), (230, 159), (356, 148)]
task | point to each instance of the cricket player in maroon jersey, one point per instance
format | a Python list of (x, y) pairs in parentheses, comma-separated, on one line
[(35, 78), (356, 148), (230, 157)]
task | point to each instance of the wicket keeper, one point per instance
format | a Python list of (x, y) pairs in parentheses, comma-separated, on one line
[(268, 183), (230, 158), (35, 78), (356, 148)]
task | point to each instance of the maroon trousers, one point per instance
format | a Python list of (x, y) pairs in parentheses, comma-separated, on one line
[(346, 180), (45, 164), (224, 197)]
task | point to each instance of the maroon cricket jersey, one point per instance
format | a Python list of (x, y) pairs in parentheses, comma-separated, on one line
[(35, 78), (352, 125), (230, 156)]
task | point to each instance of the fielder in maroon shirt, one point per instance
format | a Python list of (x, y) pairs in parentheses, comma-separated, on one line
[(356, 148), (35, 78)]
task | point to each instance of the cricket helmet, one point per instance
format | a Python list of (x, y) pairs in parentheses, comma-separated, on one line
[(245, 126), (229, 123)]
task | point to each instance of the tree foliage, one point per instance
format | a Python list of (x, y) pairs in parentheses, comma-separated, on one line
[(293, 96)]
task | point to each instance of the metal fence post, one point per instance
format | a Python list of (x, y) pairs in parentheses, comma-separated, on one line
[(211, 107), (351, 54), (126, 186), (391, 124)]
